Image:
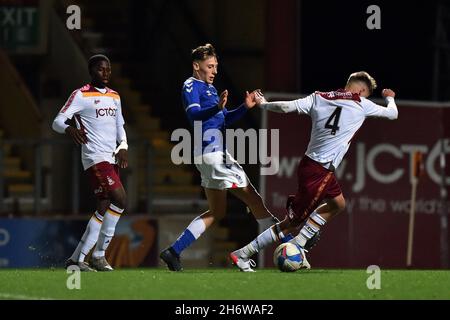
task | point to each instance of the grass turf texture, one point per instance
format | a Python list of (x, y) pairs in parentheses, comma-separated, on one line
[(224, 284)]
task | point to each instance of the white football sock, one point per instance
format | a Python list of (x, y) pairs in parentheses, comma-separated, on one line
[(197, 227), (76, 254), (88, 239), (265, 238), (112, 216), (317, 218), (310, 229)]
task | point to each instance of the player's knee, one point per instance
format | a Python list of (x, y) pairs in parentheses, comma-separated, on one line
[(337, 205), (123, 203), (208, 220), (340, 205), (287, 225), (102, 206), (294, 224), (120, 202), (218, 213)]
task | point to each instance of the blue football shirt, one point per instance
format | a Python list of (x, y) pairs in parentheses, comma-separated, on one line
[(200, 101)]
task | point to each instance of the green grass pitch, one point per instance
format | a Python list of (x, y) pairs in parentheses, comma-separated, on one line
[(224, 284)]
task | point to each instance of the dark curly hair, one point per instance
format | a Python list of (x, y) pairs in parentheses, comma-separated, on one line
[(95, 59)]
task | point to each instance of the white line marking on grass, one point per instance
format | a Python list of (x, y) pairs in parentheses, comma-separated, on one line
[(21, 297)]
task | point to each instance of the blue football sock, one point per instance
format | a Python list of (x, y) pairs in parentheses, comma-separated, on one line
[(287, 238), (283, 238)]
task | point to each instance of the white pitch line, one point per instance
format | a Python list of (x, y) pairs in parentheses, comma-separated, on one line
[(21, 297)]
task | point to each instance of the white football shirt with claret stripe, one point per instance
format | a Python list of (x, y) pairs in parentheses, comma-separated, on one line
[(99, 113), (336, 117)]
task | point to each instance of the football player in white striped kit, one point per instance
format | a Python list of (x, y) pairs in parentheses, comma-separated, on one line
[(336, 117), (101, 134)]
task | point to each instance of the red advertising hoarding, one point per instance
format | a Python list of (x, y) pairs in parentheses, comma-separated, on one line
[(375, 177)]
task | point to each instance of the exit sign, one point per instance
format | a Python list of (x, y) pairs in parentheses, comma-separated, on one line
[(21, 26)]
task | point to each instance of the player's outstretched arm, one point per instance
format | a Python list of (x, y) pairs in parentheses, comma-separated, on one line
[(200, 114), (250, 99), (374, 110), (388, 93), (232, 116), (275, 106), (391, 109)]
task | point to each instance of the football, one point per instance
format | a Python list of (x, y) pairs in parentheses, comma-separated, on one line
[(287, 257)]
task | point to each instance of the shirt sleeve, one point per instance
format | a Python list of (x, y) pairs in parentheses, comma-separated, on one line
[(304, 105), (59, 124), (72, 106), (191, 102), (191, 96), (300, 106), (372, 109), (232, 116), (197, 114), (121, 134)]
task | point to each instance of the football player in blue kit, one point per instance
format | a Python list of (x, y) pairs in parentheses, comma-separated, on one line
[(220, 172)]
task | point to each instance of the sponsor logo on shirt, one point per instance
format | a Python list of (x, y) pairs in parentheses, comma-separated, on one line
[(105, 112), (339, 94)]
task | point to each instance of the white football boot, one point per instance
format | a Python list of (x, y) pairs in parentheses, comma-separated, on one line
[(244, 264), (100, 264), (305, 263)]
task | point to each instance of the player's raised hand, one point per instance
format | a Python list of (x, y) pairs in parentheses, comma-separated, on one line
[(259, 97), (122, 158), (387, 93), (223, 99), (250, 101), (78, 135)]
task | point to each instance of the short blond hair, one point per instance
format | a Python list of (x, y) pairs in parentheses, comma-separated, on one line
[(203, 52), (363, 76)]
